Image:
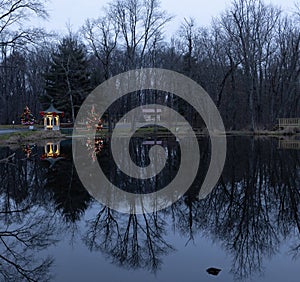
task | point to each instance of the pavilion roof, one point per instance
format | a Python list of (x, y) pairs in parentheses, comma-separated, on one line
[(52, 109)]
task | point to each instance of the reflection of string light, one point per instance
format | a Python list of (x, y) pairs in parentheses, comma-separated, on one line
[(54, 156), (27, 149), (94, 147)]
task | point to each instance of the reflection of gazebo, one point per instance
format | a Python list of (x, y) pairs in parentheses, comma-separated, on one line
[(51, 118), (52, 153), (52, 150)]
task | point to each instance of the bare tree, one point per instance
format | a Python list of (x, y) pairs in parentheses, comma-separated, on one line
[(250, 25), (140, 22), (15, 34), (187, 34), (284, 71), (13, 16), (101, 35)]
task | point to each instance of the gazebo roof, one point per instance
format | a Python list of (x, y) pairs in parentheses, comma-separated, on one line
[(53, 161), (52, 109)]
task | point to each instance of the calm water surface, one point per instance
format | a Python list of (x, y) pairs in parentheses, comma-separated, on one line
[(249, 226)]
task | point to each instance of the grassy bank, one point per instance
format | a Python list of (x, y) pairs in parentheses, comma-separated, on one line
[(18, 126), (35, 136), (22, 137)]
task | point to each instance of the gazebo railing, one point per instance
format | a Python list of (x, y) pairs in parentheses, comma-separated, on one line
[(289, 144)]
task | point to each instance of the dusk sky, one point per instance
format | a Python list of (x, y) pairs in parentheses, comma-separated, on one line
[(76, 11)]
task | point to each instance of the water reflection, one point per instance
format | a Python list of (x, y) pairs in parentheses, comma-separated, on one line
[(25, 228), (60, 179), (289, 143), (131, 241), (250, 214), (27, 149), (52, 153), (255, 206)]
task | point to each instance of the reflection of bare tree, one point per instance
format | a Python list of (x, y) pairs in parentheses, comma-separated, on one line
[(133, 241), (295, 251), (24, 230), (254, 208), (139, 153), (19, 243)]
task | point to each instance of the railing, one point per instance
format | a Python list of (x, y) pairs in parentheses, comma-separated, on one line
[(289, 122), (289, 144)]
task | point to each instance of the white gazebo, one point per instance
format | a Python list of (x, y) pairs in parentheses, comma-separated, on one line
[(52, 118)]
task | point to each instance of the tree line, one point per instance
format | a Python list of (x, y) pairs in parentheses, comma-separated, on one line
[(248, 59)]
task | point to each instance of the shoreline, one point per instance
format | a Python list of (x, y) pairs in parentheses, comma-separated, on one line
[(36, 136)]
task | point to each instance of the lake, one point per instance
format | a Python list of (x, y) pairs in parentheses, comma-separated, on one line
[(248, 226)]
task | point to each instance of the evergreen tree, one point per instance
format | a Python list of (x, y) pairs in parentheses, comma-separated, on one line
[(67, 82)]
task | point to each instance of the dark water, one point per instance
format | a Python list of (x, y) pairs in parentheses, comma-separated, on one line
[(249, 226)]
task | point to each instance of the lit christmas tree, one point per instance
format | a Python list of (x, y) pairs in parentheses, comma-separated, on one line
[(27, 117), (94, 146), (94, 121)]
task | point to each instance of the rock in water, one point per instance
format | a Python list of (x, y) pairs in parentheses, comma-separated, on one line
[(213, 271)]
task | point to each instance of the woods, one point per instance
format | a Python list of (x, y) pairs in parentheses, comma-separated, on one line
[(248, 59)]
